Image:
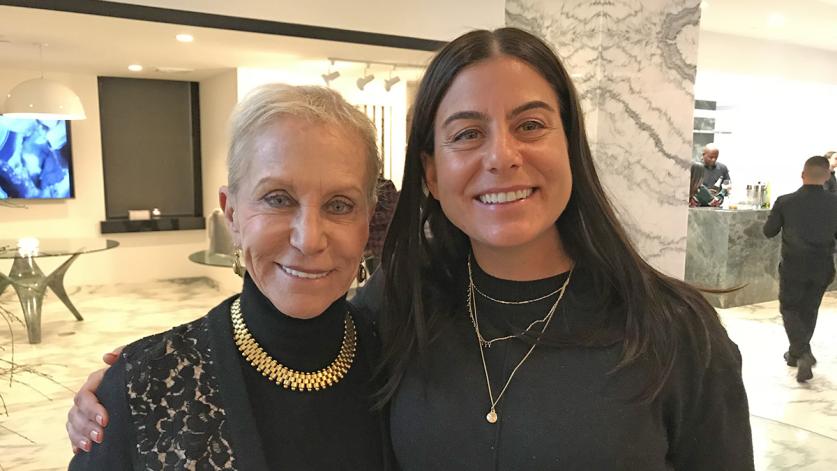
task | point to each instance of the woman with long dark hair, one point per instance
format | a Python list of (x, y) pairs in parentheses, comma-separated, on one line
[(521, 329)]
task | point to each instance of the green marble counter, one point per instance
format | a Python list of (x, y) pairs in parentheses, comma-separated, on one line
[(727, 248)]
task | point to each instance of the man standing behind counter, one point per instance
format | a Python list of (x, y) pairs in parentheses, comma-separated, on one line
[(715, 170), (808, 221)]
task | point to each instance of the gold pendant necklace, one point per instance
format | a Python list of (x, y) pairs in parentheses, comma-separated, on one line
[(281, 374), (492, 417)]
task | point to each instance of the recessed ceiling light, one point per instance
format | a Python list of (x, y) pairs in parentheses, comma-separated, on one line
[(184, 38), (776, 20), (135, 68)]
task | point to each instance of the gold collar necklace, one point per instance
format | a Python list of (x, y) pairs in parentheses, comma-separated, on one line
[(281, 374), (492, 415)]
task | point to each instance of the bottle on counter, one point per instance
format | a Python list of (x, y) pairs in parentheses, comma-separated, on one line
[(766, 201)]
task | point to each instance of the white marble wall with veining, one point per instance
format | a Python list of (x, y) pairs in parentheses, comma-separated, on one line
[(633, 63)]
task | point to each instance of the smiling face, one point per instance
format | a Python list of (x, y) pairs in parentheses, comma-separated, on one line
[(500, 167), (301, 213)]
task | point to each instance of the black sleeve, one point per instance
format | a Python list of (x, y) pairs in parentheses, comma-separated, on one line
[(774, 220), (115, 452), (715, 433)]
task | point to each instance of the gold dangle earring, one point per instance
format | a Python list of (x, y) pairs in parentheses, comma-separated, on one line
[(362, 274), (238, 267)]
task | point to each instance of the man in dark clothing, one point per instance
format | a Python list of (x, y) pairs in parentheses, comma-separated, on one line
[(808, 221), (716, 172), (831, 183)]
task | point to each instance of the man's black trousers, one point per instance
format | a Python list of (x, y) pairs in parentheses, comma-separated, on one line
[(799, 302)]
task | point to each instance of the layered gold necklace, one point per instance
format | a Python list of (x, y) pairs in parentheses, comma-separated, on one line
[(492, 416), (287, 377)]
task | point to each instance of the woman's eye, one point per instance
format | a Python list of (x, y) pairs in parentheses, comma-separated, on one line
[(466, 135), (531, 126), (340, 206), (279, 200)]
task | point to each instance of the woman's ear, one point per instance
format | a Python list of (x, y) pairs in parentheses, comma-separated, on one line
[(429, 164), (227, 205)]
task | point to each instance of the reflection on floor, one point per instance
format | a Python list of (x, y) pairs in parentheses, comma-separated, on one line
[(794, 426)]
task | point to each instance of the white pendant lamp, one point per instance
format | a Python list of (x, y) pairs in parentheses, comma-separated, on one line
[(43, 99), (40, 98)]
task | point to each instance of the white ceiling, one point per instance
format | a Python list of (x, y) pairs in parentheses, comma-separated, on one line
[(106, 46), (89, 44), (811, 23)]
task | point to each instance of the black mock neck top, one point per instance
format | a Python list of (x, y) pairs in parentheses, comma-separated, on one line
[(313, 430), (564, 409)]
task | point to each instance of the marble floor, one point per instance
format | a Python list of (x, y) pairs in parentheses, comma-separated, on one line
[(794, 425)]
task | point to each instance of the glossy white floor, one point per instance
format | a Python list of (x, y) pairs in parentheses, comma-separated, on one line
[(794, 426)]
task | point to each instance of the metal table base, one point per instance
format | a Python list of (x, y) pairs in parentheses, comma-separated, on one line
[(27, 278)]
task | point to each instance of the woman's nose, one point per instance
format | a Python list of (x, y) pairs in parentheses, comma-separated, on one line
[(503, 153), (307, 234)]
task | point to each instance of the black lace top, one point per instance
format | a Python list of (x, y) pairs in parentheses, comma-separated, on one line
[(186, 399)]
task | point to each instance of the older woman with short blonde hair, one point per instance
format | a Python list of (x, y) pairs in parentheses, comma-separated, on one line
[(280, 373)]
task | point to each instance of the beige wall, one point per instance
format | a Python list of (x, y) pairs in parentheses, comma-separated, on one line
[(429, 19), (141, 256)]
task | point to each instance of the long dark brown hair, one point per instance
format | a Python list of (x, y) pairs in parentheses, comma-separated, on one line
[(424, 253)]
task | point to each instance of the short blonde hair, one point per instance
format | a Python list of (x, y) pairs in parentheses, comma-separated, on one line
[(267, 103)]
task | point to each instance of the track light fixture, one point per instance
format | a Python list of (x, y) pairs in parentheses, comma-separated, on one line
[(331, 75), (367, 77), (388, 83)]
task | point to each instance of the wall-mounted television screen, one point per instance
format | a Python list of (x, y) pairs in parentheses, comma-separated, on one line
[(35, 159)]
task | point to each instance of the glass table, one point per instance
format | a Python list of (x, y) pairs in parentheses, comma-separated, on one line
[(30, 282), (215, 259)]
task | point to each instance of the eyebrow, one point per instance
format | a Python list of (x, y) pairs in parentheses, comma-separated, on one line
[(478, 115), (532, 105), (287, 184)]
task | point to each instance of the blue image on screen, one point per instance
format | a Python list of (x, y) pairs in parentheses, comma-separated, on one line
[(35, 159)]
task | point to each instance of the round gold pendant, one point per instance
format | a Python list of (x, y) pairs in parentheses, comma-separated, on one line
[(491, 417)]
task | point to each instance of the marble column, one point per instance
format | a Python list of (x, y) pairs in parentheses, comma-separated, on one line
[(633, 62)]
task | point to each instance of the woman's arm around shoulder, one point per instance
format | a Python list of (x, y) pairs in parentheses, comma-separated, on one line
[(117, 451)]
